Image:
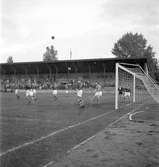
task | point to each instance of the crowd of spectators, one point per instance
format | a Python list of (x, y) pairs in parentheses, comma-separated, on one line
[(9, 83)]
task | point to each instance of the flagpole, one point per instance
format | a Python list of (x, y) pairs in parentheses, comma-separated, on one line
[(70, 54)]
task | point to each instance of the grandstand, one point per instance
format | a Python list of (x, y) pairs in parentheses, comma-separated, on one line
[(42, 75)]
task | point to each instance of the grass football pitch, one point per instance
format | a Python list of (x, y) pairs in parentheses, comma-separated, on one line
[(34, 134)]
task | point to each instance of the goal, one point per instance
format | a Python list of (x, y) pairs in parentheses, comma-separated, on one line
[(133, 85)]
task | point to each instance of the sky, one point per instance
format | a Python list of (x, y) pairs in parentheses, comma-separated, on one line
[(89, 28)]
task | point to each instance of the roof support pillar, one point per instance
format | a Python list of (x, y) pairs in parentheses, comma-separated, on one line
[(56, 72), (89, 70), (67, 69), (75, 67), (50, 71), (26, 71), (104, 70)]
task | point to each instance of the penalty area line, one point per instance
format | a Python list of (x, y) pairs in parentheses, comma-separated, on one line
[(24, 119), (53, 134), (90, 138), (109, 125), (87, 140)]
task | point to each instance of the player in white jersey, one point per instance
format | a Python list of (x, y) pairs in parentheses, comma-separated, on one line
[(17, 93), (80, 100), (98, 93), (54, 91), (34, 94), (28, 95), (66, 89), (31, 93), (79, 94)]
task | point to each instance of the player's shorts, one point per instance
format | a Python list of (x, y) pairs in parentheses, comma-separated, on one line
[(79, 93), (16, 92), (98, 94), (34, 91), (31, 94), (81, 104), (27, 94), (54, 92), (126, 94)]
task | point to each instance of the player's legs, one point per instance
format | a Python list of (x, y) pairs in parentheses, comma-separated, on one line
[(126, 96), (35, 95), (17, 96), (28, 98), (55, 94), (55, 97), (97, 96), (79, 96), (33, 99)]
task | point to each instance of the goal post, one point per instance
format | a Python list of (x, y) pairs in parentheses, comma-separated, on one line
[(133, 85), (118, 84)]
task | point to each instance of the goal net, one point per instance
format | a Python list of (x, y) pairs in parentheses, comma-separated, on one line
[(134, 86)]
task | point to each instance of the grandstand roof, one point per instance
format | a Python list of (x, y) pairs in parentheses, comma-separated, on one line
[(64, 66)]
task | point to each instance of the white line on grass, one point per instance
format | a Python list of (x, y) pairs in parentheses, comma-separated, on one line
[(130, 115), (52, 134), (50, 163), (24, 119), (109, 125), (90, 138), (85, 141)]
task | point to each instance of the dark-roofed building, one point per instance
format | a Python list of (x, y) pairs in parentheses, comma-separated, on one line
[(64, 70)]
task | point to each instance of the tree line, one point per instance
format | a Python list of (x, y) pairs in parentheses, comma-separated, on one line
[(135, 46)]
